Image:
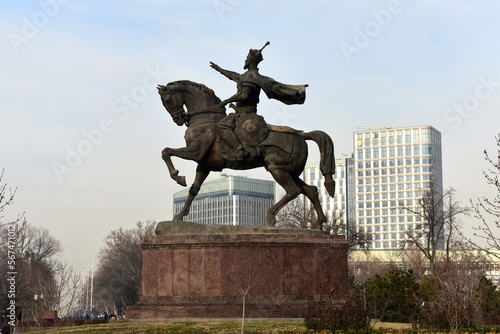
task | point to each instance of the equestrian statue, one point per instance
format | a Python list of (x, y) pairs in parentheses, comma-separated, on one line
[(243, 140)]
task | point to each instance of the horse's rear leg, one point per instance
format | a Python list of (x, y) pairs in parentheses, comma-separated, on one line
[(312, 193), (201, 175), (292, 191)]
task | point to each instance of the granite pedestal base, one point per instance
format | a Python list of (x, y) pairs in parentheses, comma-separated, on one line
[(206, 275)]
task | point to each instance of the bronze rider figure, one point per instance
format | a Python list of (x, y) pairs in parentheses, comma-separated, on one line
[(249, 85)]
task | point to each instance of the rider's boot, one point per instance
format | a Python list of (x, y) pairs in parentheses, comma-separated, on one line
[(236, 150)]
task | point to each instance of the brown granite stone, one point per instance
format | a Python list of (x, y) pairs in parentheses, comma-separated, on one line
[(201, 276)]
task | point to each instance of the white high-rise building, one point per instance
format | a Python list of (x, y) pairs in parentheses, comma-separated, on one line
[(341, 207), (392, 168)]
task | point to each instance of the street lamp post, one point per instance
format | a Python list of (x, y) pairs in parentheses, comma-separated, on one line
[(36, 305)]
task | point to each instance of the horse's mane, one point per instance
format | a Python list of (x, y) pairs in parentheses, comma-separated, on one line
[(204, 89)]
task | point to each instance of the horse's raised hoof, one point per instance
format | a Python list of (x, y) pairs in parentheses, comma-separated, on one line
[(182, 181), (178, 217)]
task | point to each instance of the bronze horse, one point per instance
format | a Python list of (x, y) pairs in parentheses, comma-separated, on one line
[(203, 111)]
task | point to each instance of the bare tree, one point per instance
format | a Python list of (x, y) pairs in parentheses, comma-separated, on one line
[(488, 210), (367, 266), (32, 250), (244, 292), (300, 214), (119, 273), (436, 214), (412, 258), (28, 252), (6, 199), (296, 214), (358, 238), (453, 295), (63, 290)]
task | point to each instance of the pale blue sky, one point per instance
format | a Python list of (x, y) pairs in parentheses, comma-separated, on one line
[(70, 67)]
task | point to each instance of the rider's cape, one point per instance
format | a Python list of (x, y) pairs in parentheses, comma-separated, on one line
[(288, 94)]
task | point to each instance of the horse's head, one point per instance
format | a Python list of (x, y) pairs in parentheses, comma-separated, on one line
[(173, 101)]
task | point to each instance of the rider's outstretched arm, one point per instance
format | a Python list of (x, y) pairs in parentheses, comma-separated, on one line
[(241, 95), (229, 74)]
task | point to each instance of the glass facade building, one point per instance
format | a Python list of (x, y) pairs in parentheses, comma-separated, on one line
[(230, 200), (392, 169)]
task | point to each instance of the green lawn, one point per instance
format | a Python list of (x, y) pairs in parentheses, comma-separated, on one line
[(181, 328)]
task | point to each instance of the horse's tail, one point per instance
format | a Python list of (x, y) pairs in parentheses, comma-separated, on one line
[(327, 161)]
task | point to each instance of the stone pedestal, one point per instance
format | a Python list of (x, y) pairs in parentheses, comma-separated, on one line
[(205, 275)]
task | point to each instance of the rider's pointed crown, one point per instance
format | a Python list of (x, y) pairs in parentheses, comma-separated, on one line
[(255, 56)]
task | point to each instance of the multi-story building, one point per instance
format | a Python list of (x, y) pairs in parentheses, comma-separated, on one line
[(341, 208), (230, 200), (393, 167)]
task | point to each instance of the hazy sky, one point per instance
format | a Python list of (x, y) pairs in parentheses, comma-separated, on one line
[(82, 125)]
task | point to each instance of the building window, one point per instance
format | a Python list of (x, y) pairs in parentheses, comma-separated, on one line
[(426, 136), (400, 151), (427, 149), (399, 134), (416, 150), (407, 150), (427, 161), (407, 136), (367, 139)]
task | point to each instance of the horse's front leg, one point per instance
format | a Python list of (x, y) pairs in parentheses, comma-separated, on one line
[(201, 175), (188, 153)]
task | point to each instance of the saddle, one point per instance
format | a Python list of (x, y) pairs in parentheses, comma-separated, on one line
[(253, 132)]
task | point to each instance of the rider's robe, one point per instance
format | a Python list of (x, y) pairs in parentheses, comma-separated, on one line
[(288, 94)]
